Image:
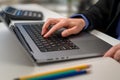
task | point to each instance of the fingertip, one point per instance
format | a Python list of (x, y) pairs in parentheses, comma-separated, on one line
[(109, 53), (65, 33), (45, 36), (105, 55), (62, 34), (42, 33)]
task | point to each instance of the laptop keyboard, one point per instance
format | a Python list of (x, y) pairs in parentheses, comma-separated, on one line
[(53, 43)]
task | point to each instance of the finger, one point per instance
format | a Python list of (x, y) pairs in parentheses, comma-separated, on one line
[(47, 24), (55, 28), (112, 51), (70, 31), (117, 55)]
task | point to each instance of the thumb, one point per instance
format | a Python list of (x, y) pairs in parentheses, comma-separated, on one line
[(70, 31)]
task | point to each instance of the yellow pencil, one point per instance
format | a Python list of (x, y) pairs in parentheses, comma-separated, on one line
[(81, 67)]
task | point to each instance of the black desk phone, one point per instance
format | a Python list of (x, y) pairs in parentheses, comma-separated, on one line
[(17, 14)]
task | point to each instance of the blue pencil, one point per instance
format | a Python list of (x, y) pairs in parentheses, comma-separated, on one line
[(61, 75)]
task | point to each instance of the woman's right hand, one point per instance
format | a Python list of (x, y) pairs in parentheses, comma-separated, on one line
[(72, 25)]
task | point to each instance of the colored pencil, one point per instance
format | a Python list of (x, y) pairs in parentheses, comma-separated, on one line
[(60, 75), (81, 67)]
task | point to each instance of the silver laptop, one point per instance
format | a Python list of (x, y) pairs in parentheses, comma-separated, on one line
[(56, 48)]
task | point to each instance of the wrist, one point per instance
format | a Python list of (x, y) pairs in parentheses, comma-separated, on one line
[(83, 23)]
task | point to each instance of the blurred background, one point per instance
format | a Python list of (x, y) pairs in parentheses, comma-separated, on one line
[(63, 7)]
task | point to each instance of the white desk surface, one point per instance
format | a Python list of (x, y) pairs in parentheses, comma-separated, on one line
[(14, 62)]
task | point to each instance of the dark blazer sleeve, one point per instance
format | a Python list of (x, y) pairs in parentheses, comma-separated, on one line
[(101, 14)]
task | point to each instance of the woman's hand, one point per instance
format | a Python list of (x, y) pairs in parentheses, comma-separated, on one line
[(72, 25), (114, 52)]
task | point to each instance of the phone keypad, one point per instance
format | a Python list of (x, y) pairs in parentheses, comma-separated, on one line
[(28, 13)]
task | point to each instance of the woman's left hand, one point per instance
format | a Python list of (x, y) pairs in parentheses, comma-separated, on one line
[(114, 52)]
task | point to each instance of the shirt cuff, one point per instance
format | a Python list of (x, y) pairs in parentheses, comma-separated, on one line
[(81, 16)]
